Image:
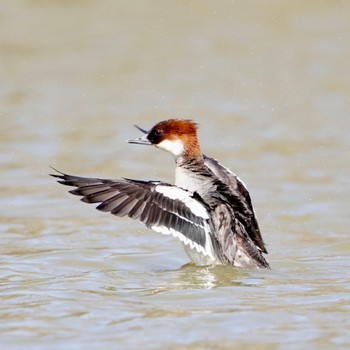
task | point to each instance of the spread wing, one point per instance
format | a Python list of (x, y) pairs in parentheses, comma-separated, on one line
[(237, 186), (162, 207)]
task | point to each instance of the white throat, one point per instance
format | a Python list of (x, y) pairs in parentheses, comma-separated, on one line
[(175, 147)]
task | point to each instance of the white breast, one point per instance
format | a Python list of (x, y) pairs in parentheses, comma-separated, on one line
[(187, 180)]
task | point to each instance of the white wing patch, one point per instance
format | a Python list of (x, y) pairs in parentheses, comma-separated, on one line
[(197, 209), (206, 251), (184, 196)]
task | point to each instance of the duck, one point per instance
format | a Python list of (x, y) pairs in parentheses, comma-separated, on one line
[(208, 208)]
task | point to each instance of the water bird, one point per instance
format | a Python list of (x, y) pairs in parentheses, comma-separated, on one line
[(208, 209)]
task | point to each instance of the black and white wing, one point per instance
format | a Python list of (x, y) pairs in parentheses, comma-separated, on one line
[(162, 207), (238, 187)]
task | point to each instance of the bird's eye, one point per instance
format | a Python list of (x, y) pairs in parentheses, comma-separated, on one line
[(154, 136)]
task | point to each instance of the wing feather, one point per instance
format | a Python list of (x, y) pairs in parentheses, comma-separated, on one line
[(164, 208), (239, 189)]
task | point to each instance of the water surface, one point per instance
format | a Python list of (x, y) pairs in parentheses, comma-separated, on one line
[(266, 81)]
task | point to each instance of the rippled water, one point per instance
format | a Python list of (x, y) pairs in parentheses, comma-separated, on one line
[(267, 81)]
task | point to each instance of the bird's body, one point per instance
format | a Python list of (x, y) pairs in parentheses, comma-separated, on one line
[(209, 208)]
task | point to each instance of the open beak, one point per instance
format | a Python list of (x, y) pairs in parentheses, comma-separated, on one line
[(143, 140)]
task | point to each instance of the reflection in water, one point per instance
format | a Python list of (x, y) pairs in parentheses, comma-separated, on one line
[(194, 277), (188, 277)]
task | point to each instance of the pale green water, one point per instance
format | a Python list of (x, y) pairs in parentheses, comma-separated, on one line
[(268, 82)]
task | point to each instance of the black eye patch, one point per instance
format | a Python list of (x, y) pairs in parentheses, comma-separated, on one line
[(155, 136)]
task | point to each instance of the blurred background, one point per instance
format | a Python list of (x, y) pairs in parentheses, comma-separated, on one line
[(268, 82)]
